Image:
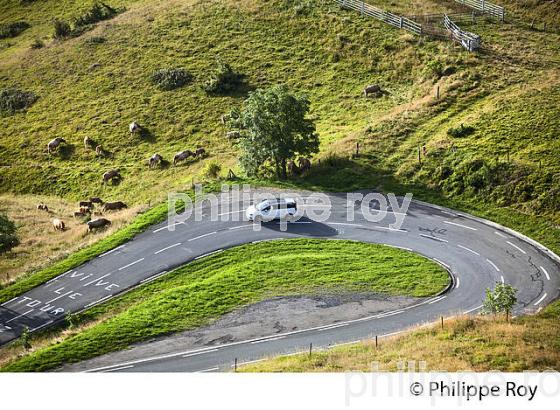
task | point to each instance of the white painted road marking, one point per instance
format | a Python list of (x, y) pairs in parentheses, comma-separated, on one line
[(213, 369), (493, 265), (502, 279), (268, 340), (457, 282), (469, 250), (500, 234), (472, 310), (434, 238), (460, 225), (517, 247), (111, 251), (23, 314), (169, 247), (535, 304), (199, 353), (441, 263), (98, 301), (130, 264), (545, 273), (58, 297), (208, 254), (119, 368), (437, 299), (98, 279), (154, 277), (202, 236), (167, 227)]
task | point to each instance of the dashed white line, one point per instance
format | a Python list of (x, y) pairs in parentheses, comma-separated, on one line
[(545, 273), (441, 263), (535, 304), (212, 369), (437, 299), (167, 227), (332, 327), (343, 223), (457, 282), (130, 264), (493, 265), (434, 238), (169, 247), (502, 279), (199, 353), (58, 297), (460, 225), (469, 250), (500, 234), (97, 279), (208, 254), (9, 301), (472, 310), (517, 247), (23, 314), (239, 227), (118, 368), (389, 229), (202, 236)]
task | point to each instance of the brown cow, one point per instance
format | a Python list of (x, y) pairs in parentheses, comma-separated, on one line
[(200, 152), (98, 223), (304, 165), (53, 144), (85, 204), (96, 200), (114, 206), (183, 155), (110, 175), (58, 225), (85, 210), (155, 160), (374, 90)]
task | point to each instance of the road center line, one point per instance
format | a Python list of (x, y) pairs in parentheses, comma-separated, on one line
[(212, 369), (493, 264), (437, 300), (169, 247), (535, 304), (167, 227), (267, 340), (58, 297), (460, 225), (118, 368), (95, 280), (199, 353), (545, 273), (500, 234), (472, 310), (502, 279), (202, 236), (130, 264), (517, 247), (469, 250), (23, 314)]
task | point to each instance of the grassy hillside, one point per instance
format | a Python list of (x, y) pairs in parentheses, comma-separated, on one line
[(203, 290), (464, 344), (96, 83)]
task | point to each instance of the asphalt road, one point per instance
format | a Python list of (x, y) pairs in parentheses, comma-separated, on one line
[(477, 254)]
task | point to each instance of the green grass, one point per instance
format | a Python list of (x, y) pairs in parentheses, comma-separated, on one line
[(197, 293), (464, 344)]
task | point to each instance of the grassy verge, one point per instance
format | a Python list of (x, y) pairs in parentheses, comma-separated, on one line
[(474, 344), (195, 294)]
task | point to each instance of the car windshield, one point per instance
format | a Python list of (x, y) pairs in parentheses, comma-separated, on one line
[(263, 206)]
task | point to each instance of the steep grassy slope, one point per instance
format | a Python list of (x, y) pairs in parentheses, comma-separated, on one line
[(95, 84), (464, 344), (201, 291)]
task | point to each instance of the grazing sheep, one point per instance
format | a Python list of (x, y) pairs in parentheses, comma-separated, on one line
[(110, 175), (88, 142), (114, 206), (85, 204), (304, 165), (96, 200), (183, 155), (53, 144), (373, 89), (85, 210), (42, 207), (155, 160), (200, 152), (134, 127), (58, 225), (98, 223), (99, 150)]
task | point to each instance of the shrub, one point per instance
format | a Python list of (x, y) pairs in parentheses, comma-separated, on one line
[(224, 80), (435, 68), (97, 12), (13, 29), (212, 169), (95, 40), (460, 131), (12, 100), (171, 78), (61, 29), (8, 238), (37, 43)]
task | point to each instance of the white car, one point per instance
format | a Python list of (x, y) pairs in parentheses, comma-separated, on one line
[(272, 209)]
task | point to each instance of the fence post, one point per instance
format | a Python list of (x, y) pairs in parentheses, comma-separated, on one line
[(482, 2), (235, 365), (310, 349)]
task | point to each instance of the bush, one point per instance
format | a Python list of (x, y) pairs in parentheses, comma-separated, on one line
[(97, 12), (13, 29), (212, 169), (224, 80), (61, 29), (435, 68), (37, 43), (12, 100), (171, 78), (460, 131), (95, 40), (8, 238)]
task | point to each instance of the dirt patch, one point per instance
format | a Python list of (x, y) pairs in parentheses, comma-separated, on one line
[(277, 315)]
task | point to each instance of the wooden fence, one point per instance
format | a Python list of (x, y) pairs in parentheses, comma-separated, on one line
[(485, 7), (468, 40), (389, 18)]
